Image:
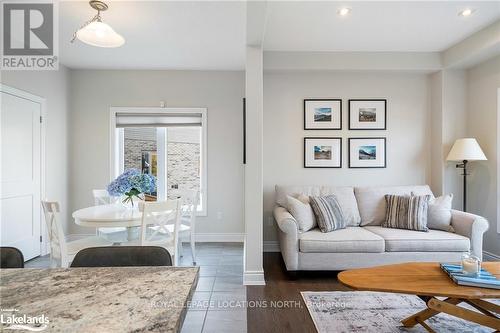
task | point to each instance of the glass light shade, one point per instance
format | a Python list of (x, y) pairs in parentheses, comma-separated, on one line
[(100, 34), (466, 149)]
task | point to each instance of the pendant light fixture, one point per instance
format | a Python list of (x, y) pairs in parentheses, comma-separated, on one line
[(97, 33)]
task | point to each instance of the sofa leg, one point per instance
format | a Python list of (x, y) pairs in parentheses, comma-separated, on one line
[(293, 275)]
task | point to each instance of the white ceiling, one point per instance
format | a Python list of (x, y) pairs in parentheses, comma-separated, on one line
[(397, 26), (159, 35), (211, 35)]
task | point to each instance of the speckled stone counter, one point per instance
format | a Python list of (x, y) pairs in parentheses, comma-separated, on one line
[(117, 299)]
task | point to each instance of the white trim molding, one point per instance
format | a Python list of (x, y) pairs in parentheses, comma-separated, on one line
[(271, 246), (488, 256), (254, 278)]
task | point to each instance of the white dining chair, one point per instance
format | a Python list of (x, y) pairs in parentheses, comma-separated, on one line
[(189, 203), (102, 197), (160, 226), (63, 251)]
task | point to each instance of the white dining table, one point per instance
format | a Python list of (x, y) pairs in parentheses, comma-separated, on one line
[(109, 216)]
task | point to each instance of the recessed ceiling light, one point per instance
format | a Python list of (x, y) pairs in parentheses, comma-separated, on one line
[(466, 12), (344, 11)]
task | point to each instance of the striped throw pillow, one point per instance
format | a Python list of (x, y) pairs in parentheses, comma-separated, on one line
[(329, 215), (406, 212)]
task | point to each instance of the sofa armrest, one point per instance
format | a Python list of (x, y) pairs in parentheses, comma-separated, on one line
[(288, 237), (471, 226), (286, 222)]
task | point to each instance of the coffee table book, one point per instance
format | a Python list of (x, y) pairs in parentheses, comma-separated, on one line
[(483, 279)]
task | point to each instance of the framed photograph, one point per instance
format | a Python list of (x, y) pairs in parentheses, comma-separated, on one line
[(322, 152), (367, 114), (322, 114), (367, 153)]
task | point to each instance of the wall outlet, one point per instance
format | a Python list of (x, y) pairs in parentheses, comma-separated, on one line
[(219, 215)]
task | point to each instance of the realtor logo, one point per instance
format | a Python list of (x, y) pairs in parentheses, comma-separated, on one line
[(29, 36)]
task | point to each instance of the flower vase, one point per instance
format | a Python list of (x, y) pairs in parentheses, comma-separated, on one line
[(128, 203), (132, 202)]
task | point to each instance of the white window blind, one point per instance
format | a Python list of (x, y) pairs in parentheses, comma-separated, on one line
[(126, 119)]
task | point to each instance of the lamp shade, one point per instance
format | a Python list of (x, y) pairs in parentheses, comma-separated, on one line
[(466, 149), (100, 34)]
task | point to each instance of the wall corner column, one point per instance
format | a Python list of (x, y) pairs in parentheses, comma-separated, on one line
[(254, 92)]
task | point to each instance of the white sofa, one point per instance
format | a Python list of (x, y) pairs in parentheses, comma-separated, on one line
[(369, 244)]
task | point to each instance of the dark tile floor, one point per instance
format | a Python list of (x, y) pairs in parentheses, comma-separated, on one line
[(218, 302)]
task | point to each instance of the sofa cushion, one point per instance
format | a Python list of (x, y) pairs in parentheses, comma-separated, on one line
[(399, 240), (345, 197), (348, 240), (371, 200)]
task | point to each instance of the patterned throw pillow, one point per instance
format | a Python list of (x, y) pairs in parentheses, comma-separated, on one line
[(328, 213), (406, 212)]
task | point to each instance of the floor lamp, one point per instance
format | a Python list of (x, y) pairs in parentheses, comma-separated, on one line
[(465, 150)]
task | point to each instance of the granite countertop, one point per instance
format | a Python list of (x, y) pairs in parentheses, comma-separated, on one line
[(114, 299)]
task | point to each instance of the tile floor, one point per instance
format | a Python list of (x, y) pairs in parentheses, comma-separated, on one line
[(218, 303)]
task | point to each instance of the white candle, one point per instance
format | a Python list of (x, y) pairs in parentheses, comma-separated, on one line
[(470, 266)]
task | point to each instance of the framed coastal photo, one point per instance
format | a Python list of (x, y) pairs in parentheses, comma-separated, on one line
[(322, 114), (322, 152), (367, 153), (367, 114)]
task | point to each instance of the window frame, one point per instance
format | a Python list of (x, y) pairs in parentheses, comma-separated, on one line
[(116, 139)]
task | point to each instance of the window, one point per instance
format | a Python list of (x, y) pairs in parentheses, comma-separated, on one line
[(167, 143)]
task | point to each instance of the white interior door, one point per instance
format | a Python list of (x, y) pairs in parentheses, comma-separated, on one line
[(20, 174)]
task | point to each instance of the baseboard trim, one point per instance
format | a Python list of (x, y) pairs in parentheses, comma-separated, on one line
[(490, 256), (271, 246), (220, 237), (254, 278)]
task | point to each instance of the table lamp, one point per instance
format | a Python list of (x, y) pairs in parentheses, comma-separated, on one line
[(465, 150)]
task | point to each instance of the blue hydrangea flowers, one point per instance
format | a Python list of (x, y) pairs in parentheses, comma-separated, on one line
[(131, 184)]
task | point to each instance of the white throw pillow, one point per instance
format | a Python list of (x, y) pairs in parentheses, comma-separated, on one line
[(302, 212), (439, 213)]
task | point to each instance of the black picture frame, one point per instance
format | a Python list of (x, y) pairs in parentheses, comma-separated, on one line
[(323, 167), (349, 140), (366, 100), (321, 100)]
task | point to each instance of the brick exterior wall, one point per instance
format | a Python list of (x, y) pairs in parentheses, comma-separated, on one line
[(183, 166), (183, 161), (133, 152)]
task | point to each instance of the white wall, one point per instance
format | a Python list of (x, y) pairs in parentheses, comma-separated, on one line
[(482, 123), (94, 92), (408, 134), (437, 152), (453, 127), (448, 106), (53, 86)]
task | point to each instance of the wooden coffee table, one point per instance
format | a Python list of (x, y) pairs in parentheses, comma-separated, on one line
[(428, 281)]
